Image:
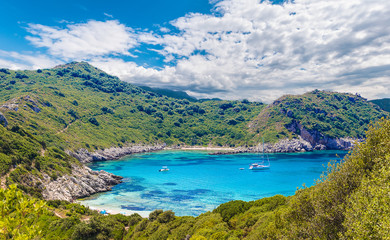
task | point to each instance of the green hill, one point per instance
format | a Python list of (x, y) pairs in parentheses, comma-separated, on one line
[(78, 106), (23, 158), (316, 115), (384, 103)]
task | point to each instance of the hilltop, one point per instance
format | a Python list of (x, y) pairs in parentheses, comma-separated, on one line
[(384, 103), (76, 106), (324, 119)]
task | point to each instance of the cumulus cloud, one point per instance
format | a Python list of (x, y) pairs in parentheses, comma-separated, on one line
[(84, 40), (27, 61), (244, 49), (249, 48)]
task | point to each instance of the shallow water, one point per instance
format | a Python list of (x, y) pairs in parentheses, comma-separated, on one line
[(198, 182)]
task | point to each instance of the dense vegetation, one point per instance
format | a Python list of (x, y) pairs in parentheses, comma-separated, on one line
[(24, 160), (78, 106), (331, 114), (351, 202)]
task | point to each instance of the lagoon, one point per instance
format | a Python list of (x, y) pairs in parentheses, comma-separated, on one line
[(198, 182)]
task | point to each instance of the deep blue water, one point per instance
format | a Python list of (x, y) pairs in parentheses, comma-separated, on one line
[(198, 182)]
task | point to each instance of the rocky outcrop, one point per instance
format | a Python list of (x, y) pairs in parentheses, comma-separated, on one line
[(3, 120), (82, 182), (319, 141), (295, 145), (283, 146), (84, 156), (288, 146)]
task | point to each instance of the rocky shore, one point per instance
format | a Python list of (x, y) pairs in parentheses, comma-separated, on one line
[(297, 145), (84, 156), (82, 182)]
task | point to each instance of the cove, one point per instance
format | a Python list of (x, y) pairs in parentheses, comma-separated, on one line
[(198, 182)]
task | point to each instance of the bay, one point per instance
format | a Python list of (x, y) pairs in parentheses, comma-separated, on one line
[(198, 182)]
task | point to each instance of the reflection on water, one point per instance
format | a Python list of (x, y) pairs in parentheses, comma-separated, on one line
[(198, 182)]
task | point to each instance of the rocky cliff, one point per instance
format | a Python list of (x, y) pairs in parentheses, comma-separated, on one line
[(319, 141), (297, 145), (82, 183), (3, 120), (84, 156)]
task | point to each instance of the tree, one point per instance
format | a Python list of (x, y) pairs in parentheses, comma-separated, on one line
[(19, 214)]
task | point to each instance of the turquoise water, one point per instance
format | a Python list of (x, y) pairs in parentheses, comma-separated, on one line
[(198, 182)]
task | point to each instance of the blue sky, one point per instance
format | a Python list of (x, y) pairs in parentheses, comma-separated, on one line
[(137, 14), (232, 49)]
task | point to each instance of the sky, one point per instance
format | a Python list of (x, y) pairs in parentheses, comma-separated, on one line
[(229, 49)]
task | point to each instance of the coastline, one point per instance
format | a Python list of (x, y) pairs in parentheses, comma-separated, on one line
[(144, 189), (113, 210), (201, 148), (106, 180)]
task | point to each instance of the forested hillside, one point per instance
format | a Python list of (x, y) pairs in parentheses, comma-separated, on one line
[(77, 106), (320, 113), (24, 159)]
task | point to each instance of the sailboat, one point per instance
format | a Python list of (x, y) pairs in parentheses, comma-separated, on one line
[(261, 165), (164, 169)]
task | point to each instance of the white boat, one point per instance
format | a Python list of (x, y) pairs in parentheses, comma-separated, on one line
[(261, 165), (164, 169), (258, 166)]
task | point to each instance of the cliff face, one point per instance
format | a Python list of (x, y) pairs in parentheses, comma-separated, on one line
[(298, 145), (82, 183), (84, 156), (319, 141), (3, 120)]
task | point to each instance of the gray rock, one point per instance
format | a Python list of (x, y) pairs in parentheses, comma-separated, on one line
[(296, 145), (3, 120), (82, 183), (84, 156), (320, 141)]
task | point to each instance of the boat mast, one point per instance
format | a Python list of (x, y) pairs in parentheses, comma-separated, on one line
[(263, 148)]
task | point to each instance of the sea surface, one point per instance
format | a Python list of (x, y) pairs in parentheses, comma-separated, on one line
[(198, 182)]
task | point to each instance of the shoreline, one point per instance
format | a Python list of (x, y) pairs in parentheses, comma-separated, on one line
[(132, 201), (113, 211), (201, 148), (283, 146)]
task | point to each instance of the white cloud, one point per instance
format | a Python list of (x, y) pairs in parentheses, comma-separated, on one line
[(261, 50), (27, 61), (85, 40), (245, 49), (108, 15)]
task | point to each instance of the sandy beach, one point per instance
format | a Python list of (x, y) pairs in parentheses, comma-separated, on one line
[(206, 148)]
